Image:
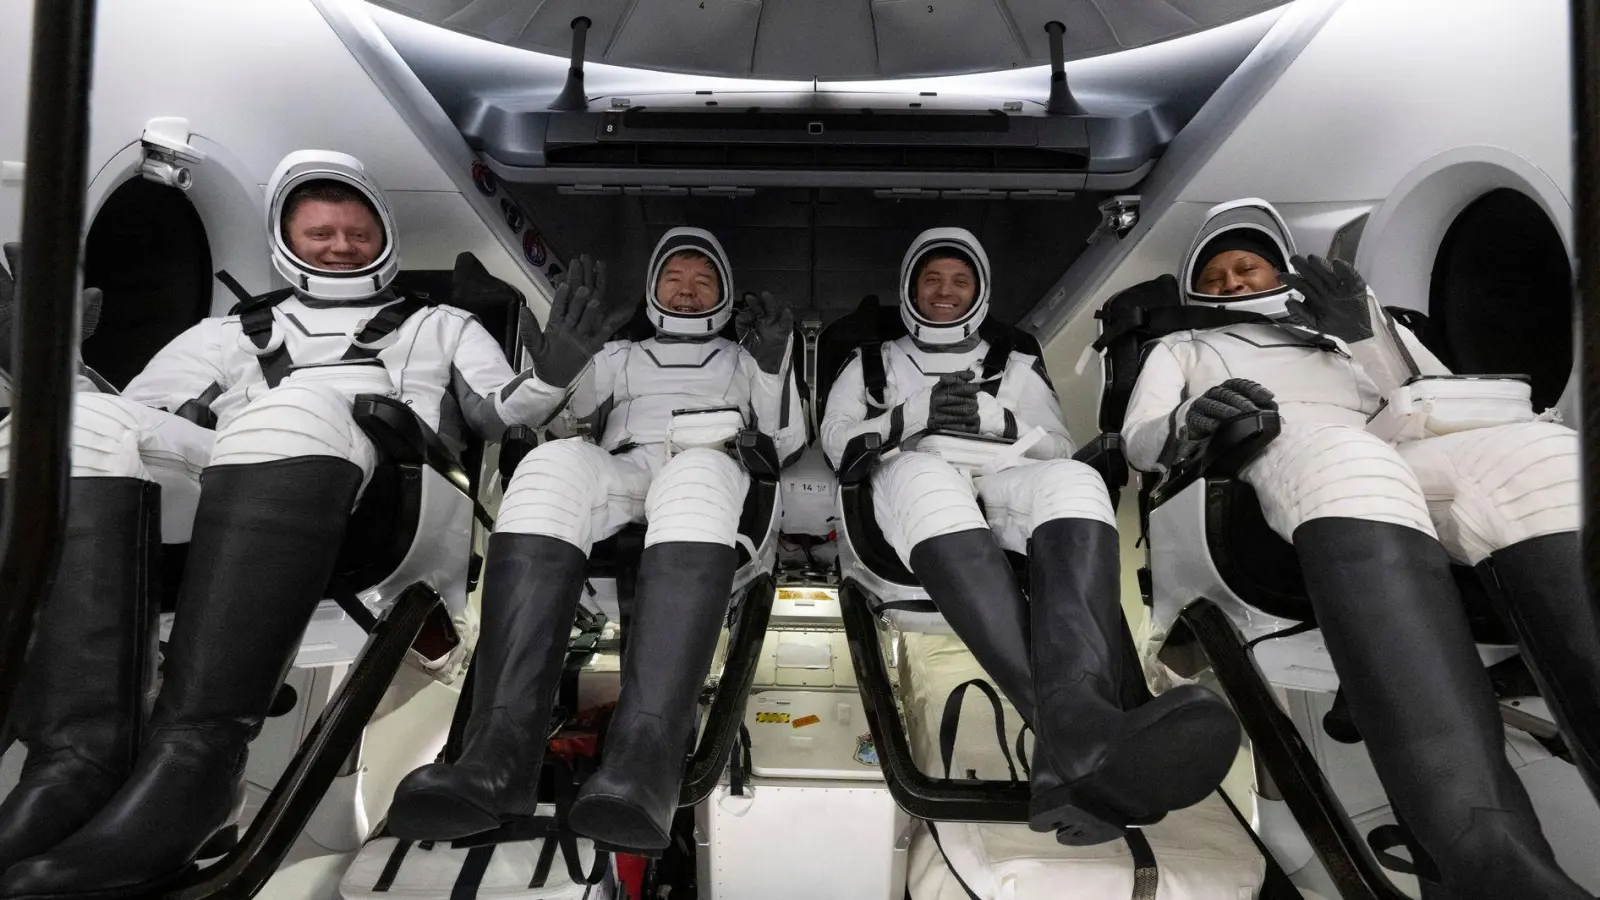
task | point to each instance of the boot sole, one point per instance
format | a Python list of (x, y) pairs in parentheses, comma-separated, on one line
[(425, 815), (616, 825), (1169, 764)]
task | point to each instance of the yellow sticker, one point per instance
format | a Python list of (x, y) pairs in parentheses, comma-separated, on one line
[(803, 721), (772, 718)]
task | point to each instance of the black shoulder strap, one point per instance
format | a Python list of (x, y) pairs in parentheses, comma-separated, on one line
[(873, 374), (994, 362), (233, 285), (256, 320), (386, 322)]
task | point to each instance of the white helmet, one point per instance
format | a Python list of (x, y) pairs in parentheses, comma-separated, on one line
[(299, 168), (1252, 225), (700, 324), (965, 245)]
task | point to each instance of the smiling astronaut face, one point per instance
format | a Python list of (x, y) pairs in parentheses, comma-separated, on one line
[(688, 284), (1233, 273), (946, 287), (335, 235)]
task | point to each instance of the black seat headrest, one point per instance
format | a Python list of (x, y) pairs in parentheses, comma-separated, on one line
[(1127, 326)]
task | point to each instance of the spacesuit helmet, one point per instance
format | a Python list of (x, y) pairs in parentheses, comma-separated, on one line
[(706, 322), (305, 169), (961, 244), (1250, 225)]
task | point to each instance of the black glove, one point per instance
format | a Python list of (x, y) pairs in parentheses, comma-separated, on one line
[(954, 403), (1225, 402), (582, 318), (1336, 298), (764, 328), (10, 274)]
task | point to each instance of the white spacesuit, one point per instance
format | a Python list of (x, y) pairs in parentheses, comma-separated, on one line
[(940, 377), (647, 465), (264, 500), (1368, 518)]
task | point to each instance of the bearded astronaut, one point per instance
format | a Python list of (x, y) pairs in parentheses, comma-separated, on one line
[(1096, 760), (1376, 523), (567, 494), (107, 801)]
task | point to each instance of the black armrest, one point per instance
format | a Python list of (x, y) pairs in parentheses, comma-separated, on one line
[(403, 438), (1105, 455), (758, 454), (518, 442), (1239, 440), (860, 457)]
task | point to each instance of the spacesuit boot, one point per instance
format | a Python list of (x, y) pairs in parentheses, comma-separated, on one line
[(1537, 586), (1393, 624), (970, 581), (531, 588), (683, 592), (80, 708), (266, 537), (1125, 758)]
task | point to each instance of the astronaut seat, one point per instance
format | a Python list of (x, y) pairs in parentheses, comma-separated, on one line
[(1207, 535), (1227, 592), (876, 588), (865, 556), (414, 521)]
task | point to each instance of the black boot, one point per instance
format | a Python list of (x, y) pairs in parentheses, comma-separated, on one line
[(682, 597), (1394, 626), (1125, 758), (80, 708), (531, 588), (265, 540), (967, 576), (1537, 587)]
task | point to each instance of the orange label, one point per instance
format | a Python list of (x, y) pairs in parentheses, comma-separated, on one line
[(803, 721)]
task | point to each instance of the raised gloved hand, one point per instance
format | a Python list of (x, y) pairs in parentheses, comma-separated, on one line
[(1336, 298), (10, 275), (1224, 402), (765, 327), (953, 405), (582, 318)]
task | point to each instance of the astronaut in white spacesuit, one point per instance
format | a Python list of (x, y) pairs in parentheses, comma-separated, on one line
[(1099, 765), (1375, 525), (263, 500), (567, 494)]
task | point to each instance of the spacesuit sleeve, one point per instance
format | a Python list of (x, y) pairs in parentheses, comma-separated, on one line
[(1035, 405), (1158, 403), (188, 367), (848, 413), (775, 404), (493, 397)]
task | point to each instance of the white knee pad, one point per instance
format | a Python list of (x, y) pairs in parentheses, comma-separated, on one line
[(917, 496), (1322, 471), (291, 421), (558, 490), (105, 438), (1068, 489), (697, 496), (1502, 485)]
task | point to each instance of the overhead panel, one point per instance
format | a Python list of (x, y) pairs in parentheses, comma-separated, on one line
[(919, 36), (551, 25), (692, 35), (850, 51), (830, 40)]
